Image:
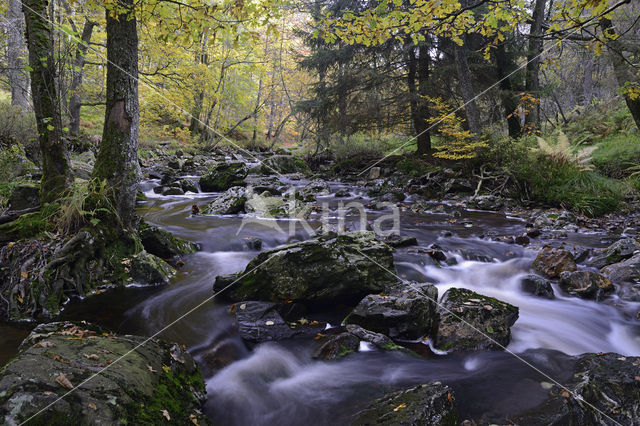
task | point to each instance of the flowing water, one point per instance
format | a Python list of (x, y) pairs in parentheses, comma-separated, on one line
[(279, 383)]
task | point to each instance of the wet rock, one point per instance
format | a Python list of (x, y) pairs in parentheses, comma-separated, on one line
[(260, 322), (586, 284), (522, 240), (145, 268), (24, 196), (427, 404), (377, 339), (327, 269), (405, 311), (154, 376), (552, 262), (189, 185), (467, 318), (282, 164), (253, 243), (162, 243), (396, 241), (224, 176), (221, 355), (486, 202), (625, 271), (468, 254), (438, 183), (80, 169), (609, 382), (230, 202), (313, 189), (172, 190), (374, 173), (537, 286), (342, 193), (336, 346), (616, 252)]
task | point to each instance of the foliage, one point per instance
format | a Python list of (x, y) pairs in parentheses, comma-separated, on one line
[(615, 154), (455, 142), (561, 152), (16, 126), (85, 203)]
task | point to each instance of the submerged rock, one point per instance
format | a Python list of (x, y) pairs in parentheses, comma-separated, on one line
[(470, 321), (586, 284), (537, 286), (552, 262), (427, 404), (406, 311), (609, 385), (625, 271), (336, 346), (223, 176), (327, 269), (231, 202), (261, 322), (155, 380)]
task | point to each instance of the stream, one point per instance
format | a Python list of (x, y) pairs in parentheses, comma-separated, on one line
[(279, 383)]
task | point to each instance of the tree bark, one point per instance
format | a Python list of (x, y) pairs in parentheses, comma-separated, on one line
[(56, 175), (418, 70), (532, 84), (117, 160), (504, 67), (16, 52), (75, 100), (466, 88)]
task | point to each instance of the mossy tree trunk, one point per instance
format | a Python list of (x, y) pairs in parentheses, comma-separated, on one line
[(75, 100), (117, 160), (16, 50), (532, 84), (56, 174), (418, 70)]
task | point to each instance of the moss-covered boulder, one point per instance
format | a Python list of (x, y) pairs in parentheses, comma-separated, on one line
[(470, 321), (551, 262), (324, 270), (120, 379), (314, 188), (223, 176), (427, 404), (626, 271), (282, 164), (24, 196), (604, 389), (162, 243), (617, 252), (586, 284), (231, 202), (406, 311), (146, 268)]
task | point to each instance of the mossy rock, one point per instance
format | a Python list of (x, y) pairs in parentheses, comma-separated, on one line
[(231, 202), (162, 243), (25, 196), (223, 176), (282, 164), (150, 381), (146, 268)]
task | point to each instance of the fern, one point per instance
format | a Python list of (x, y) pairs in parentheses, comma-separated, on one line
[(562, 153)]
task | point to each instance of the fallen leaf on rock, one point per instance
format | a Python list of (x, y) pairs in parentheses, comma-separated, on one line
[(45, 344), (488, 307), (63, 381), (400, 407), (193, 419), (176, 358), (243, 306), (449, 397), (93, 406), (637, 378), (92, 356), (165, 413), (269, 323), (166, 368), (565, 394), (318, 336), (151, 369)]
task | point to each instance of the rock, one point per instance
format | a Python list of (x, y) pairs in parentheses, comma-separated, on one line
[(374, 173), (224, 176), (172, 190), (486, 202), (427, 404), (609, 382), (189, 185), (230, 202), (283, 164), (154, 376), (80, 169), (266, 206), (406, 312), (336, 346), (552, 262), (146, 268), (377, 339), (162, 243), (586, 284), (327, 269), (260, 322), (489, 317), (537, 286), (313, 189), (616, 252), (342, 193), (625, 271), (397, 241), (253, 243), (24, 196), (522, 240)]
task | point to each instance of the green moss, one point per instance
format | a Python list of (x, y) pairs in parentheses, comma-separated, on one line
[(392, 347)]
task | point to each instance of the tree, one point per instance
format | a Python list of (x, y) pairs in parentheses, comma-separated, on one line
[(117, 160), (75, 100), (16, 50), (56, 175)]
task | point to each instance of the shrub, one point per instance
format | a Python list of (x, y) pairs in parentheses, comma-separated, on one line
[(16, 126), (616, 154)]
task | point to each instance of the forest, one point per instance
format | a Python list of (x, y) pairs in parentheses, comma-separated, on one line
[(320, 212)]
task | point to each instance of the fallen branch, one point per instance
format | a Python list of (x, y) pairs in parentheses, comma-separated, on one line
[(12, 215)]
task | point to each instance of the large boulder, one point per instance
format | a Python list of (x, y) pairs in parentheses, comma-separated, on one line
[(282, 164), (223, 176), (261, 322), (24, 196), (625, 271), (616, 252), (146, 268), (162, 243), (586, 284), (552, 262), (149, 381), (231, 202), (537, 286), (405, 312), (427, 404), (324, 270), (470, 321), (603, 389)]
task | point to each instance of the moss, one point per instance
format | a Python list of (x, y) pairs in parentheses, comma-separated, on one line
[(392, 347)]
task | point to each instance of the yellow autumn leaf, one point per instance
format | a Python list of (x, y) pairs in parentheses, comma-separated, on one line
[(400, 407)]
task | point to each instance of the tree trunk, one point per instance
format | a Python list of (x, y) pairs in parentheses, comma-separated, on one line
[(75, 101), (418, 70), (588, 83), (466, 88), (532, 84), (504, 67), (56, 175), (117, 160), (16, 52), (623, 71)]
